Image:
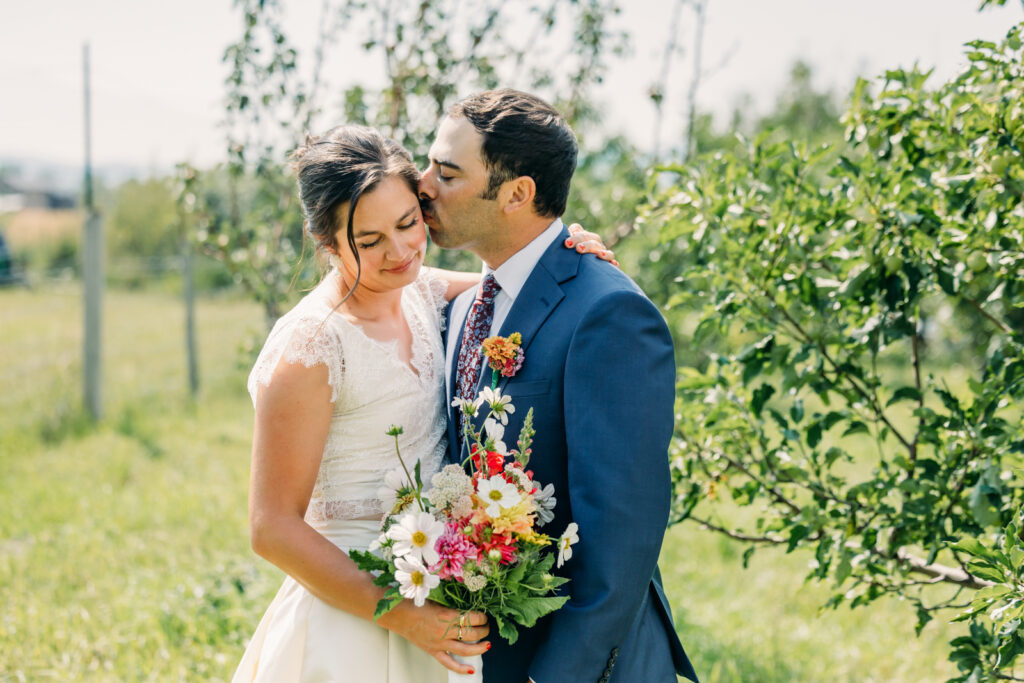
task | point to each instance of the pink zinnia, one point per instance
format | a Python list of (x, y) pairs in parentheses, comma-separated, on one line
[(513, 365), (454, 549)]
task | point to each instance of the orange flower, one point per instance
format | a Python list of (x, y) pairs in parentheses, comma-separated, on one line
[(504, 354)]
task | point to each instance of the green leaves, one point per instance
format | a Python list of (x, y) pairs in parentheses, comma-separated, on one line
[(904, 394), (760, 397), (862, 365)]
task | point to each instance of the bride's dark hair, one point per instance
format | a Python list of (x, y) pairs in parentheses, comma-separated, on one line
[(340, 166)]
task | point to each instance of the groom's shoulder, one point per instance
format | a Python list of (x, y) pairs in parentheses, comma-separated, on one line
[(597, 279)]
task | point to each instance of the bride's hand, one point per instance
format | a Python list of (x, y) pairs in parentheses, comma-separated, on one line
[(587, 242), (435, 630)]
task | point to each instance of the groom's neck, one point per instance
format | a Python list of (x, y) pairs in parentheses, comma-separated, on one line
[(512, 237)]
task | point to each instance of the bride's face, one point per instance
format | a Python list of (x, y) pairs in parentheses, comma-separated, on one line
[(389, 235)]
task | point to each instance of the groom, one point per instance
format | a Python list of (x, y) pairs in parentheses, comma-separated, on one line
[(599, 373)]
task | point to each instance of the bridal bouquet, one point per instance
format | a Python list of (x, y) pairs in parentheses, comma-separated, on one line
[(471, 541)]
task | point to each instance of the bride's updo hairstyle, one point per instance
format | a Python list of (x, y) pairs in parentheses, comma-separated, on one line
[(340, 166)]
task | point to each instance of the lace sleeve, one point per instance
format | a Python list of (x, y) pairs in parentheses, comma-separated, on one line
[(307, 340), (433, 288)]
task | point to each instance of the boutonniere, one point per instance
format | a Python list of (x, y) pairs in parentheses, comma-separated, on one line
[(504, 355)]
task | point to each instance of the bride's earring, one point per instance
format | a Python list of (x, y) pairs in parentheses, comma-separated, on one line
[(335, 261)]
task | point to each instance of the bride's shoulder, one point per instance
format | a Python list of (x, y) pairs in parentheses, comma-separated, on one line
[(302, 336)]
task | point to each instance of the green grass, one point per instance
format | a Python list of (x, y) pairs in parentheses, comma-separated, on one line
[(763, 623), (124, 553)]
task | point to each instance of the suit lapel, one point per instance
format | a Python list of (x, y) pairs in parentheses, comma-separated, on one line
[(539, 296)]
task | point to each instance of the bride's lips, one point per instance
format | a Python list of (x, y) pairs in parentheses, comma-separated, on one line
[(404, 267)]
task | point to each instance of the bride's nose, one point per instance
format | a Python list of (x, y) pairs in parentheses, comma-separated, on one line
[(398, 251)]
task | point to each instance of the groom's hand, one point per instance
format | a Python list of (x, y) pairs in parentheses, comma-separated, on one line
[(435, 630)]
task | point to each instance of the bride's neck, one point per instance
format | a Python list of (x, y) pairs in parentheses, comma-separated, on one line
[(368, 304)]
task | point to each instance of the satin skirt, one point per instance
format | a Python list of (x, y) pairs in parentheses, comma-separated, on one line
[(301, 639)]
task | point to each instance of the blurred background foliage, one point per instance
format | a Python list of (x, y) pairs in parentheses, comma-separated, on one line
[(842, 275)]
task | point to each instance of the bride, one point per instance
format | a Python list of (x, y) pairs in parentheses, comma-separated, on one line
[(360, 352)]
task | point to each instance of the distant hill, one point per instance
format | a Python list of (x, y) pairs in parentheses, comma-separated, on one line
[(67, 178)]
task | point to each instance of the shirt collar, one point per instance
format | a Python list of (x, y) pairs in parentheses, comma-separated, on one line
[(513, 273)]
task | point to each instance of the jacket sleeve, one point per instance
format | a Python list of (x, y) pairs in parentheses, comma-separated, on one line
[(618, 405)]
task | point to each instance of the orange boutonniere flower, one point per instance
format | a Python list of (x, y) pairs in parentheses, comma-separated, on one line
[(504, 354)]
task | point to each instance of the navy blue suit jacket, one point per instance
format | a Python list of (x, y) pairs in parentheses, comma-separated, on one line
[(599, 373)]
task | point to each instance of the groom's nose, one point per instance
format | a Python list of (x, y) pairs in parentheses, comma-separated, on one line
[(427, 185)]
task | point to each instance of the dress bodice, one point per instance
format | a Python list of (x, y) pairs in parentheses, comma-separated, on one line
[(372, 388)]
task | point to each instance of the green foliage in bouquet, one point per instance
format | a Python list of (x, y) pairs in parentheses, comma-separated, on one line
[(516, 596), (872, 414)]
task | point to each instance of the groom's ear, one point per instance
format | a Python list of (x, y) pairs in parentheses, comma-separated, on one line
[(517, 194)]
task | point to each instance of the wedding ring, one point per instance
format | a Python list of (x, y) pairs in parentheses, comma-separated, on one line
[(460, 633), (462, 620)]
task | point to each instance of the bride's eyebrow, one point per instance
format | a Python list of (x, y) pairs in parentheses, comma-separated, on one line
[(405, 216)]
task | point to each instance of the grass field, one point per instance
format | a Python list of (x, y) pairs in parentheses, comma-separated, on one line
[(124, 553)]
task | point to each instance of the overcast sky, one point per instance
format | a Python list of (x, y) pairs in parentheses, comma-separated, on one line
[(158, 79)]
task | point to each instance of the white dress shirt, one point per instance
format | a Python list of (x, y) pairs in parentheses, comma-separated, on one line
[(511, 276)]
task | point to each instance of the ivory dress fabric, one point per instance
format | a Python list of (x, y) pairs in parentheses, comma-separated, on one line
[(301, 638)]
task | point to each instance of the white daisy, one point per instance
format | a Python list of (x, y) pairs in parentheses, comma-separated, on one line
[(496, 493), (414, 581), (566, 542), (415, 536)]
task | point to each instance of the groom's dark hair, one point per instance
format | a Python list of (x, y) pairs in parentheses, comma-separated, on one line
[(523, 136)]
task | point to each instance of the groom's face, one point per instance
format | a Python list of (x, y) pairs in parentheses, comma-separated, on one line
[(452, 187)]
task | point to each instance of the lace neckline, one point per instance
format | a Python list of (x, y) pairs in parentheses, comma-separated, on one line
[(417, 366)]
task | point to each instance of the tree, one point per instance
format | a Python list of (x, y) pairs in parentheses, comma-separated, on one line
[(799, 112), (249, 216), (142, 225), (846, 413)]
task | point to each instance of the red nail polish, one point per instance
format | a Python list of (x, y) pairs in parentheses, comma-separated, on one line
[(488, 646), (472, 671), (568, 242)]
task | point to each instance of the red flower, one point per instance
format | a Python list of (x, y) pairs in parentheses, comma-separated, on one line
[(495, 462), (504, 545)]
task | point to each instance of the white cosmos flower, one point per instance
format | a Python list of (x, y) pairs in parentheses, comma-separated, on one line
[(566, 542), (414, 581), (496, 493), (394, 481), (545, 501), (495, 432), (415, 536), (500, 405), (466, 406)]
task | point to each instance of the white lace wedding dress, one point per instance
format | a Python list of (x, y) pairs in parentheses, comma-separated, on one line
[(301, 638)]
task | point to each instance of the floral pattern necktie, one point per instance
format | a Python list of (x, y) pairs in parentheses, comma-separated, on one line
[(478, 327)]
